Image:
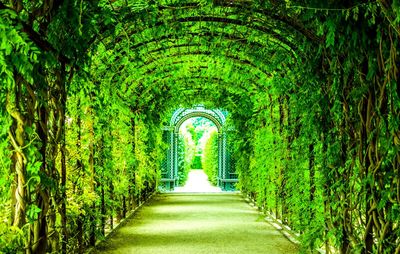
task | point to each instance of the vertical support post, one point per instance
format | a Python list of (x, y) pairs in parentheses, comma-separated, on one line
[(220, 160), (224, 162), (175, 170), (223, 154), (170, 160)]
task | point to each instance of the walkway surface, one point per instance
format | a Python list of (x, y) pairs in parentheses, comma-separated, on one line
[(197, 182), (215, 223)]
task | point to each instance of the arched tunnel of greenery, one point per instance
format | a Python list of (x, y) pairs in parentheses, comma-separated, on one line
[(312, 88)]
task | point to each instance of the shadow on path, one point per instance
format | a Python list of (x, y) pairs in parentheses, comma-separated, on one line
[(197, 224)]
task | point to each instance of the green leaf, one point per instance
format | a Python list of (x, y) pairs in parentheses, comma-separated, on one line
[(330, 36), (33, 213)]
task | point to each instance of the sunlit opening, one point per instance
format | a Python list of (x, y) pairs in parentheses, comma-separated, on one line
[(198, 156)]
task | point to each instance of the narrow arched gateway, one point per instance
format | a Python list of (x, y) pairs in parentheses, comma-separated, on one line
[(226, 171)]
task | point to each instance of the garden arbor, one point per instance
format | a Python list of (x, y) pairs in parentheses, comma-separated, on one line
[(312, 88), (226, 173)]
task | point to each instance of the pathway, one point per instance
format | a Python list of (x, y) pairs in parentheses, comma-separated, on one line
[(180, 223), (197, 182)]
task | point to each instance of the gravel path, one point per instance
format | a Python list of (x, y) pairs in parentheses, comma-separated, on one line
[(197, 224)]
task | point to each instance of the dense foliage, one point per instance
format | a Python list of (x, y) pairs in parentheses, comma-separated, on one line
[(185, 158), (210, 158), (312, 88)]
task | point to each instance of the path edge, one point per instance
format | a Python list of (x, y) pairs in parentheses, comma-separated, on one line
[(129, 216), (277, 224)]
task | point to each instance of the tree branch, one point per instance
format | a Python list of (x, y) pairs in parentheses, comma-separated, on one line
[(38, 40)]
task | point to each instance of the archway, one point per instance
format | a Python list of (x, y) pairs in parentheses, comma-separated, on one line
[(226, 172)]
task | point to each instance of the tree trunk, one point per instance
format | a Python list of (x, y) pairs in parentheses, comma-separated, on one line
[(93, 223), (311, 166), (38, 228), (19, 163), (63, 211)]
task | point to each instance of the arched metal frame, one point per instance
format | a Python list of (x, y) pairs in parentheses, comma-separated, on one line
[(170, 176)]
